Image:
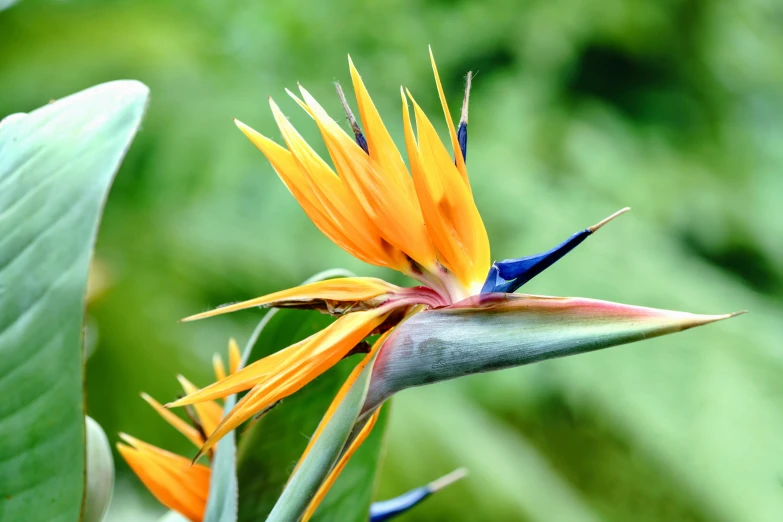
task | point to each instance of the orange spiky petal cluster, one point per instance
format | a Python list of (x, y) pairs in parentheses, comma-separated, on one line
[(285, 372), (422, 222), (425, 225), (176, 481)]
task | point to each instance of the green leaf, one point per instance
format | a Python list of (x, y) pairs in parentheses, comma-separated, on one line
[(223, 500), (350, 497), (315, 467), (56, 167), (270, 447), (223, 489)]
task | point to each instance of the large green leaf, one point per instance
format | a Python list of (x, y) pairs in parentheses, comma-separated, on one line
[(56, 166)]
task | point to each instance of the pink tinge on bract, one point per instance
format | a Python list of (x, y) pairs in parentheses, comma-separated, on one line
[(495, 331)]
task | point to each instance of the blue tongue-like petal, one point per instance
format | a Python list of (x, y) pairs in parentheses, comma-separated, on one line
[(388, 509), (509, 275)]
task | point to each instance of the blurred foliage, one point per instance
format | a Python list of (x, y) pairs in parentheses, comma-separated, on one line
[(578, 109)]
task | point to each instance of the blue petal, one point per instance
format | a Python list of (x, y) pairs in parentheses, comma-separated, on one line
[(517, 272), (509, 275), (493, 280), (361, 141), (387, 509), (462, 138)]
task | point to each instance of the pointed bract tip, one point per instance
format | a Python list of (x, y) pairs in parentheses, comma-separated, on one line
[(607, 220), (735, 314), (701, 320), (447, 480)]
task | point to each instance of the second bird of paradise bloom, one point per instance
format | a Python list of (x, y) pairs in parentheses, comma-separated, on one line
[(419, 219), (175, 481)]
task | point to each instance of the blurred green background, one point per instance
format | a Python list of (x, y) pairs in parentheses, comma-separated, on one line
[(579, 108)]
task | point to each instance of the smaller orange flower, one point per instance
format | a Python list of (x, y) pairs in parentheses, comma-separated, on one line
[(174, 480)]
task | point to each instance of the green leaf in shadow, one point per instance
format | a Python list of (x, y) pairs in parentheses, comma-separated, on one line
[(270, 447)]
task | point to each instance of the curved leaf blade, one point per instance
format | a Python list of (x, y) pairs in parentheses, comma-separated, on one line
[(350, 498), (222, 503), (319, 461), (56, 166)]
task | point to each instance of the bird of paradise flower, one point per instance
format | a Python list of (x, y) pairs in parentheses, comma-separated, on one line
[(422, 221), (175, 481)]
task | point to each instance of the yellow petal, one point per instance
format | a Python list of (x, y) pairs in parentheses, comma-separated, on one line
[(191, 433), (451, 215), (346, 456), (343, 290), (460, 161), (290, 173), (170, 478), (219, 367), (234, 356), (387, 198), (335, 198), (312, 357), (379, 142), (209, 412), (243, 379), (342, 393)]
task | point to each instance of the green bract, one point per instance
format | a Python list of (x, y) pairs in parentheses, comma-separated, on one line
[(499, 331)]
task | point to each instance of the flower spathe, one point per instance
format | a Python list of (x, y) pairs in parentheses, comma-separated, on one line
[(176, 481), (421, 220)]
